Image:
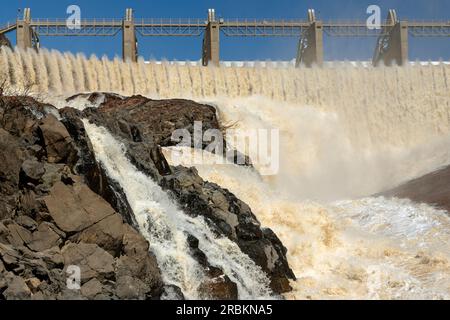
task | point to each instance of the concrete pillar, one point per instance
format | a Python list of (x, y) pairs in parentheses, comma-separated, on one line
[(24, 31), (397, 49), (211, 41), (392, 46), (129, 41), (310, 48)]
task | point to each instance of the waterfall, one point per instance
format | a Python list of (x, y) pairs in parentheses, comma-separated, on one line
[(339, 86), (165, 226), (396, 106), (347, 131)]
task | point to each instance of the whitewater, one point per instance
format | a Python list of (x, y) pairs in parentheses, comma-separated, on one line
[(347, 132)]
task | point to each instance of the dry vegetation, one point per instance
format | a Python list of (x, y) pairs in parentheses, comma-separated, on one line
[(6, 89)]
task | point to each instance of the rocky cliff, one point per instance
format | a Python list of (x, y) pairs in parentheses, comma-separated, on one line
[(58, 207), (50, 219)]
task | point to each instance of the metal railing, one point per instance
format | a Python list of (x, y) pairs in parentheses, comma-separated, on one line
[(85, 27), (429, 28), (170, 26), (229, 27), (83, 22), (9, 26)]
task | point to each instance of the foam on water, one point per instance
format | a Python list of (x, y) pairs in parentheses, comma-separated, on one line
[(166, 227), (372, 248)]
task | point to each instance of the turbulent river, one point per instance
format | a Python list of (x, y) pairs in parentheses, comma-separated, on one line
[(347, 132)]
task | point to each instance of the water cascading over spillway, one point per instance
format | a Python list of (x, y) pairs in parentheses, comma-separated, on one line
[(346, 132), (398, 106)]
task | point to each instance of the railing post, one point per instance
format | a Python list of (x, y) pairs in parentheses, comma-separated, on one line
[(310, 48), (129, 40), (392, 45), (211, 41)]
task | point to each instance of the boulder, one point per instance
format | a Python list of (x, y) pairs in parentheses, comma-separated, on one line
[(218, 286), (11, 258), (17, 289), (277, 263), (26, 222), (133, 242), (107, 234), (19, 115), (137, 262), (74, 208), (92, 289), (46, 237), (137, 118), (52, 258), (17, 235), (6, 209), (31, 171), (11, 157), (4, 234), (57, 141), (93, 261), (53, 173), (23, 262), (171, 292), (130, 288)]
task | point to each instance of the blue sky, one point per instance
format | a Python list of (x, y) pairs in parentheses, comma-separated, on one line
[(234, 48)]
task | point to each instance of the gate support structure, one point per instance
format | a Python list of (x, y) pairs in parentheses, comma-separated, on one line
[(26, 37), (211, 41), (129, 40), (392, 45), (310, 46)]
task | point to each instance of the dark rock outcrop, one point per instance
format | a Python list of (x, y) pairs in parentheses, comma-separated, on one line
[(56, 140), (86, 165), (50, 219), (137, 118)]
